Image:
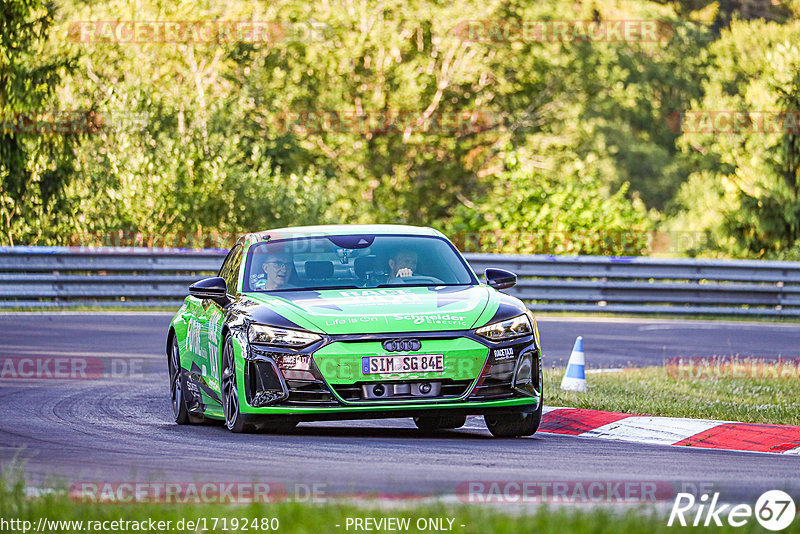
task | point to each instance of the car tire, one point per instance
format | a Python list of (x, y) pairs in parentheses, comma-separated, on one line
[(177, 385), (235, 421), (513, 425), (432, 423)]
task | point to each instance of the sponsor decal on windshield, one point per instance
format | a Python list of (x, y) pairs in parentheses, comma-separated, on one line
[(374, 297)]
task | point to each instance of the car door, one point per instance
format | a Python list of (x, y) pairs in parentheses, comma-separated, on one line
[(213, 318)]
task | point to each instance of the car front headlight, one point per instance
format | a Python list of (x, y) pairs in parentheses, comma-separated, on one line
[(261, 334), (509, 329)]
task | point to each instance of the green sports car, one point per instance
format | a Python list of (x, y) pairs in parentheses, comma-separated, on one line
[(354, 322)]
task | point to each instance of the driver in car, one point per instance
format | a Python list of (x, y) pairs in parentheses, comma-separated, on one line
[(277, 272), (403, 264)]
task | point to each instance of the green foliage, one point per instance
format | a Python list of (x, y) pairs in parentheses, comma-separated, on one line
[(529, 210), (34, 167), (567, 141), (621, 95), (768, 222), (743, 193)]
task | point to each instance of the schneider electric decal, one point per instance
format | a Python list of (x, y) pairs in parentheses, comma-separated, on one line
[(433, 318)]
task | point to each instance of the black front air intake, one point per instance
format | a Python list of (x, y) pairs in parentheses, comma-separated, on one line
[(526, 374), (509, 378), (495, 381), (263, 384), (403, 390)]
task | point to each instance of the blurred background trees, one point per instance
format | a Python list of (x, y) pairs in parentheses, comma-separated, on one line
[(34, 168), (566, 145), (742, 189)]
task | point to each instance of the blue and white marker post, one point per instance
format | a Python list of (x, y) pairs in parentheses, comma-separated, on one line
[(575, 376)]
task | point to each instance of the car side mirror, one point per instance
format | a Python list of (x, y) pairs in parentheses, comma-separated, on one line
[(213, 288), (500, 278)]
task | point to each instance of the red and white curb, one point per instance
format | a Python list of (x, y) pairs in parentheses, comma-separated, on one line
[(699, 433)]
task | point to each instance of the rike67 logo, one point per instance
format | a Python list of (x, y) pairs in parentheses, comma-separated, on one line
[(774, 510)]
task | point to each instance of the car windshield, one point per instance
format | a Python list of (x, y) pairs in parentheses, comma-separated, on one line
[(354, 261)]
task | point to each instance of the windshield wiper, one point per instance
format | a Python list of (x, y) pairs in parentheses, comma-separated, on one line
[(328, 287), (416, 285), (287, 289)]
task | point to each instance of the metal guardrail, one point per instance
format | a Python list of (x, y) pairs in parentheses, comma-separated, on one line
[(32, 277), (139, 277)]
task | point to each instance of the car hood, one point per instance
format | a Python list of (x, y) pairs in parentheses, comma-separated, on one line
[(362, 311)]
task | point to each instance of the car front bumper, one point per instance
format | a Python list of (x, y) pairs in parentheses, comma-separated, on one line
[(326, 380)]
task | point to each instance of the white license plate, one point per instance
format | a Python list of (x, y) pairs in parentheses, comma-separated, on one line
[(408, 363)]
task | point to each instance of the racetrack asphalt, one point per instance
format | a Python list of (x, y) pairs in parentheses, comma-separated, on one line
[(119, 428)]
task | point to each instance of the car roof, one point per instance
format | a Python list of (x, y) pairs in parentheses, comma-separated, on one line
[(343, 229)]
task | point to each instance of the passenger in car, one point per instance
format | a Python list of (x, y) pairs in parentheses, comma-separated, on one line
[(403, 264), (278, 270)]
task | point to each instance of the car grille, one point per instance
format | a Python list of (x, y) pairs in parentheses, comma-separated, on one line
[(309, 393), (495, 382), (451, 389)]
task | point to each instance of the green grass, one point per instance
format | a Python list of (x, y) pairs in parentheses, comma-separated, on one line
[(651, 391), (296, 517)]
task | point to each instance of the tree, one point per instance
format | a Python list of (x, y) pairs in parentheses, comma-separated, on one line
[(767, 221), (742, 195), (234, 133), (34, 167), (534, 211)]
